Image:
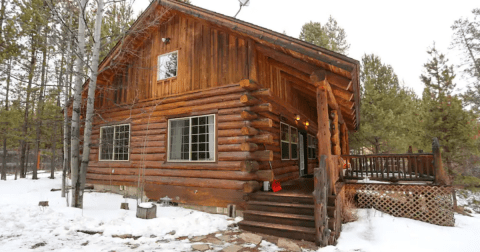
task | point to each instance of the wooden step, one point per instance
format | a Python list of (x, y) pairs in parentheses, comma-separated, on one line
[(277, 207), (280, 218), (281, 197), (287, 231)]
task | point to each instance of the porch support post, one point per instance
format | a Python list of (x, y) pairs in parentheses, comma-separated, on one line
[(322, 233), (344, 131)]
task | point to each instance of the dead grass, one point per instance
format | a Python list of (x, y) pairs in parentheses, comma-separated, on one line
[(349, 211)]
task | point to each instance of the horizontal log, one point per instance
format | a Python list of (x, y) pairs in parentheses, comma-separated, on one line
[(147, 157), (261, 123), (249, 147), (249, 84), (265, 175), (249, 131), (248, 99), (148, 143), (248, 115), (251, 186), (287, 169), (265, 107), (264, 138), (135, 139), (148, 132), (238, 156), (278, 164), (230, 133), (148, 150), (230, 118), (151, 126), (178, 181), (230, 147), (212, 174)]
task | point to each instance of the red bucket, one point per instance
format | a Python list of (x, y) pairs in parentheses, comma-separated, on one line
[(276, 186)]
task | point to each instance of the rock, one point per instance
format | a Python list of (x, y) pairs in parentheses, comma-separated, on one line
[(172, 232), (232, 248), (198, 238), (153, 236), (134, 246), (200, 247), (287, 244), (233, 225), (213, 241), (251, 238), (225, 238)]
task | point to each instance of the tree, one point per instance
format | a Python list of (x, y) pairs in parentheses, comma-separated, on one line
[(445, 114), (467, 38), (388, 122), (330, 36)]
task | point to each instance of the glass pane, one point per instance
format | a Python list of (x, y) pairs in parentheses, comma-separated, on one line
[(294, 148), (294, 134), (122, 134), (284, 132), (285, 151), (106, 144), (203, 138), (178, 137), (167, 66)]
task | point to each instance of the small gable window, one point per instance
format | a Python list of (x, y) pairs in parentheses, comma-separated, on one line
[(167, 65)]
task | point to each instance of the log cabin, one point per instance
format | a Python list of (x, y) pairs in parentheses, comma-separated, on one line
[(203, 108)]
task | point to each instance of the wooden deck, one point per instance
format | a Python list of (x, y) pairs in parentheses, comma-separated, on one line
[(301, 186)]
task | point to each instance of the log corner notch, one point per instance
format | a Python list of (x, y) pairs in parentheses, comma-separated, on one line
[(441, 177), (248, 84)]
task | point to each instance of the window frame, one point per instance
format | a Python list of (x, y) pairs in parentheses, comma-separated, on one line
[(190, 140), (113, 148), (165, 54), (289, 142)]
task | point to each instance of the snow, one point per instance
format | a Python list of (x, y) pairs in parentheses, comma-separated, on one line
[(146, 205), (25, 224), (379, 232)]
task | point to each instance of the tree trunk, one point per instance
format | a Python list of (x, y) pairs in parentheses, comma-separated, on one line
[(77, 100), (91, 96), (40, 103), (3, 175), (23, 168)]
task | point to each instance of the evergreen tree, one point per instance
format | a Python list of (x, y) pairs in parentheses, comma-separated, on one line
[(467, 38), (330, 36), (388, 123), (445, 114)]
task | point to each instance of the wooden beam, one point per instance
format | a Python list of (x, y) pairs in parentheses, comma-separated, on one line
[(319, 78), (323, 135)]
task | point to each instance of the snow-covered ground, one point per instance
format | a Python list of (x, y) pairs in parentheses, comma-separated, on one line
[(24, 226)]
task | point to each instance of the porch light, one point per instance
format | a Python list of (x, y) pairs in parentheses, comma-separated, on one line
[(307, 123), (297, 117)]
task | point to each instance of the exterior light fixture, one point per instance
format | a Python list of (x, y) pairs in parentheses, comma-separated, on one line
[(297, 117), (307, 123), (165, 40)]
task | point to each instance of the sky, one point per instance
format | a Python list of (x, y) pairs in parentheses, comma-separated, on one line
[(399, 32)]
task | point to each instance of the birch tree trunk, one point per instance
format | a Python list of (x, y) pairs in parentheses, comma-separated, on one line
[(66, 84), (77, 100), (91, 95)]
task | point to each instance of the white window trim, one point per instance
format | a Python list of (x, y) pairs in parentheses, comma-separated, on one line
[(190, 140), (113, 152), (289, 142), (176, 51)]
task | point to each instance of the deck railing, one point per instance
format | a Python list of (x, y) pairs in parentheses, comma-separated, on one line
[(391, 167)]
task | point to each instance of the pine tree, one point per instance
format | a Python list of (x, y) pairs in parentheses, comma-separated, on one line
[(445, 114), (330, 36), (467, 38), (388, 122)]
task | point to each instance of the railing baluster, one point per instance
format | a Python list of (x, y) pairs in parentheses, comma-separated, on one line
[(415, 165), (404, 172)]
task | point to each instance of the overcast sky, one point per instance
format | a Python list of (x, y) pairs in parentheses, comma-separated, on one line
[(398, 31)]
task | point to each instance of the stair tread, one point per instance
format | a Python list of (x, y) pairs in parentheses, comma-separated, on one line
[(280, 215), (278, 226), (280, 204), (280, 194)]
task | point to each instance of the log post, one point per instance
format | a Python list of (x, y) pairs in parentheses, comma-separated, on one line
[(344, 138), (441, 177), (336, 134), (320, 203)]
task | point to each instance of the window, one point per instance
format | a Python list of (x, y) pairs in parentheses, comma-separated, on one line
[(289, 141), (167, 66), (114, 142), (312, 147), (191, 139)]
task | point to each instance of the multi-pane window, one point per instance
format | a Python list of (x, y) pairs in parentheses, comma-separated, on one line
[(312, 147), (167, 65), (191, 139), (289, 141), (114, 142)]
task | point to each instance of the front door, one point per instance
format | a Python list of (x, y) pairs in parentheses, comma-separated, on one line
[(302, 155)]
